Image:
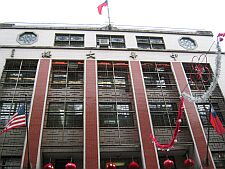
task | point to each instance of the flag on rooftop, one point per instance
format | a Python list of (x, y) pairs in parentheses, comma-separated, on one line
[(216, 123), (101, 6), (18, 120)]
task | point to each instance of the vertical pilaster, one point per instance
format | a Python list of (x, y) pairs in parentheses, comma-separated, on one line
[(37, 114), (91, 147), (149, 153), (193, 117)]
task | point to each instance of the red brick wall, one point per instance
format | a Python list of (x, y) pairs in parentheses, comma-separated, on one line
[(144, 119), (192, 115), (91, 140), (37, 113)]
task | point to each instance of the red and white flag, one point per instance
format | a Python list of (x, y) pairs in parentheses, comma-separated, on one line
[(216, 123), (101, 6), (18, 120)]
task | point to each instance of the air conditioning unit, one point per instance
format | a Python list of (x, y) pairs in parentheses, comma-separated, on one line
[(103, 42)]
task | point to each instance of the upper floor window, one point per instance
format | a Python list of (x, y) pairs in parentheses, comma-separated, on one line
[(145, 42), (110, 41), (74, 40)]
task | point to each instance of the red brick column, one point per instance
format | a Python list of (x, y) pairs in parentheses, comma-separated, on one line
[(37, 113), (91, 123), (149, 151), (192, 114)]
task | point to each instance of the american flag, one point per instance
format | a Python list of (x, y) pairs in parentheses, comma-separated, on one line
[(18, 120)]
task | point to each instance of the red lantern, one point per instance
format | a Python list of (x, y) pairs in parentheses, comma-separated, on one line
[(168, 164), (48, 166), (133, 165), (110, 165), (70, 165), (189, 162)]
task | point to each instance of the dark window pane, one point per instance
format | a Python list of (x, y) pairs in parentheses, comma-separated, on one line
[(55, 120), (126, 119), (108, 120), (73, 120)]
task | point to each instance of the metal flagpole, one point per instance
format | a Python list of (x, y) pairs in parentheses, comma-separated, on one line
[(28, 147), (110, 26), (207, 147)]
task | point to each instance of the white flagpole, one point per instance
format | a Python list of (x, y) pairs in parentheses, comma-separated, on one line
[(110, 26), (28, 146)]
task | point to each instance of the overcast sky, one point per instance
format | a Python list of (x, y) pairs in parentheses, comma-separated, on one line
[(191, 14)]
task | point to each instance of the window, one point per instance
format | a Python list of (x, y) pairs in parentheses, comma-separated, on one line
[(65, 99), (74, 40), (204, 110), (126, 119), (164, 114), (65, 114), (108, 120), (59, 78), (19, 74), (12, 65), (114, 86), (199, 75), (74, 107), (158, 76), (162, 93), (67, 74), (110, 41), (145, 42), (10, 162), (112, 115), (8, 109)]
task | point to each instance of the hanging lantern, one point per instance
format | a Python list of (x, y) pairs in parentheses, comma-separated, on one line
[(110, 165), (189, 162), (70, 165), (168, 164), (48, 166), (133, 165)]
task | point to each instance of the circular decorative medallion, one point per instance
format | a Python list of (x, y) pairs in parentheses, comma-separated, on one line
[(187, 43), (27, 38)]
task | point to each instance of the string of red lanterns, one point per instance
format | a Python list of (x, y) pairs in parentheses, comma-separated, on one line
[(69, 165), (110, 165), (177, 129), (168, 164), (189, 163)]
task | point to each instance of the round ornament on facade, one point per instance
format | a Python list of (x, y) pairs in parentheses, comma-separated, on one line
[(70, 165), (48, 166), (168, 164), (133, 165), (189, 163), (187, 43), (110, 165), (27, 38)]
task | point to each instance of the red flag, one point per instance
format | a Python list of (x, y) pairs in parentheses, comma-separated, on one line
[(101, 6), (216, 123), (17, 120)]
